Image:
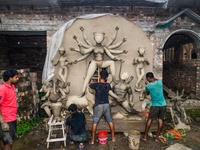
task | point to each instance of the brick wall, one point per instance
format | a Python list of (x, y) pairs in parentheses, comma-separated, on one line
[(181, 76)]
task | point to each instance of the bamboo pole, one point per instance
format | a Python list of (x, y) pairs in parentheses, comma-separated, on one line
[(98, 75)]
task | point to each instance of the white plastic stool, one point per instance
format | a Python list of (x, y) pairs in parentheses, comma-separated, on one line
[(54, 125)]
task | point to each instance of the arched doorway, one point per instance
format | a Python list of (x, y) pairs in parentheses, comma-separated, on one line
[(180, 65)]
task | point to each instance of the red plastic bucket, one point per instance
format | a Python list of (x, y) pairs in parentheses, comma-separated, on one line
[(102, 137)]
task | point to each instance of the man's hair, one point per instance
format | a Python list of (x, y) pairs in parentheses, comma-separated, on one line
[(72, 107), (104, 74), (10, 73), (149, 75)]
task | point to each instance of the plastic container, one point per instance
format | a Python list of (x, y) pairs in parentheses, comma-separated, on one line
[(102, 137), (147, 114), (134, 139)]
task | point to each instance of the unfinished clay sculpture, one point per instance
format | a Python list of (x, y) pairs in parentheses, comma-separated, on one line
[(123, 90), (85, 102), (63, 64), (178, 111), (98, 50), (53, 96), (139, 62)]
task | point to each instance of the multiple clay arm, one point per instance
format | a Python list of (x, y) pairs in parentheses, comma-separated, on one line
[(87, 49), (177, 97), (82, 44), (117, 44), (109, 46), (113, 37), (85, 37)]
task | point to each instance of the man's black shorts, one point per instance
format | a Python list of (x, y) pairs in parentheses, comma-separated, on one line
[(9, 136), (157, 112)]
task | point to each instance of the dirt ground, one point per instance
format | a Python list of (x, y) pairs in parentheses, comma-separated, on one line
[(35, 139)]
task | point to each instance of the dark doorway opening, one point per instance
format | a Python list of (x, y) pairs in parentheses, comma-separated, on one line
[(23, 49), (179, 63)]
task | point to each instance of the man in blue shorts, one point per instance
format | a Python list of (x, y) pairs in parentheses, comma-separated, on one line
[(158, 107), (102, 106)]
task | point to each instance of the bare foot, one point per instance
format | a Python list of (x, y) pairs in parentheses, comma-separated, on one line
[(91, 143), (143, 139), (114, 140)]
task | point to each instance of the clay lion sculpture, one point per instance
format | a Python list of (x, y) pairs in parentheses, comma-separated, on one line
[(87, 101)]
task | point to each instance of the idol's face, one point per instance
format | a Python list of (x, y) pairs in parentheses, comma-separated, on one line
[(99, 37), (62, 52), (141, 51)]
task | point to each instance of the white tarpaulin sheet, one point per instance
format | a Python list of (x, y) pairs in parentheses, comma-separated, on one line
[(55, 43)]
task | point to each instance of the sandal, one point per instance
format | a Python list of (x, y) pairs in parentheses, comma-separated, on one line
[(90, 142), (143, 139), (115, 140)]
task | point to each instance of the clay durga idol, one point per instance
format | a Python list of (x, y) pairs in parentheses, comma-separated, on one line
[(98, 51)]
